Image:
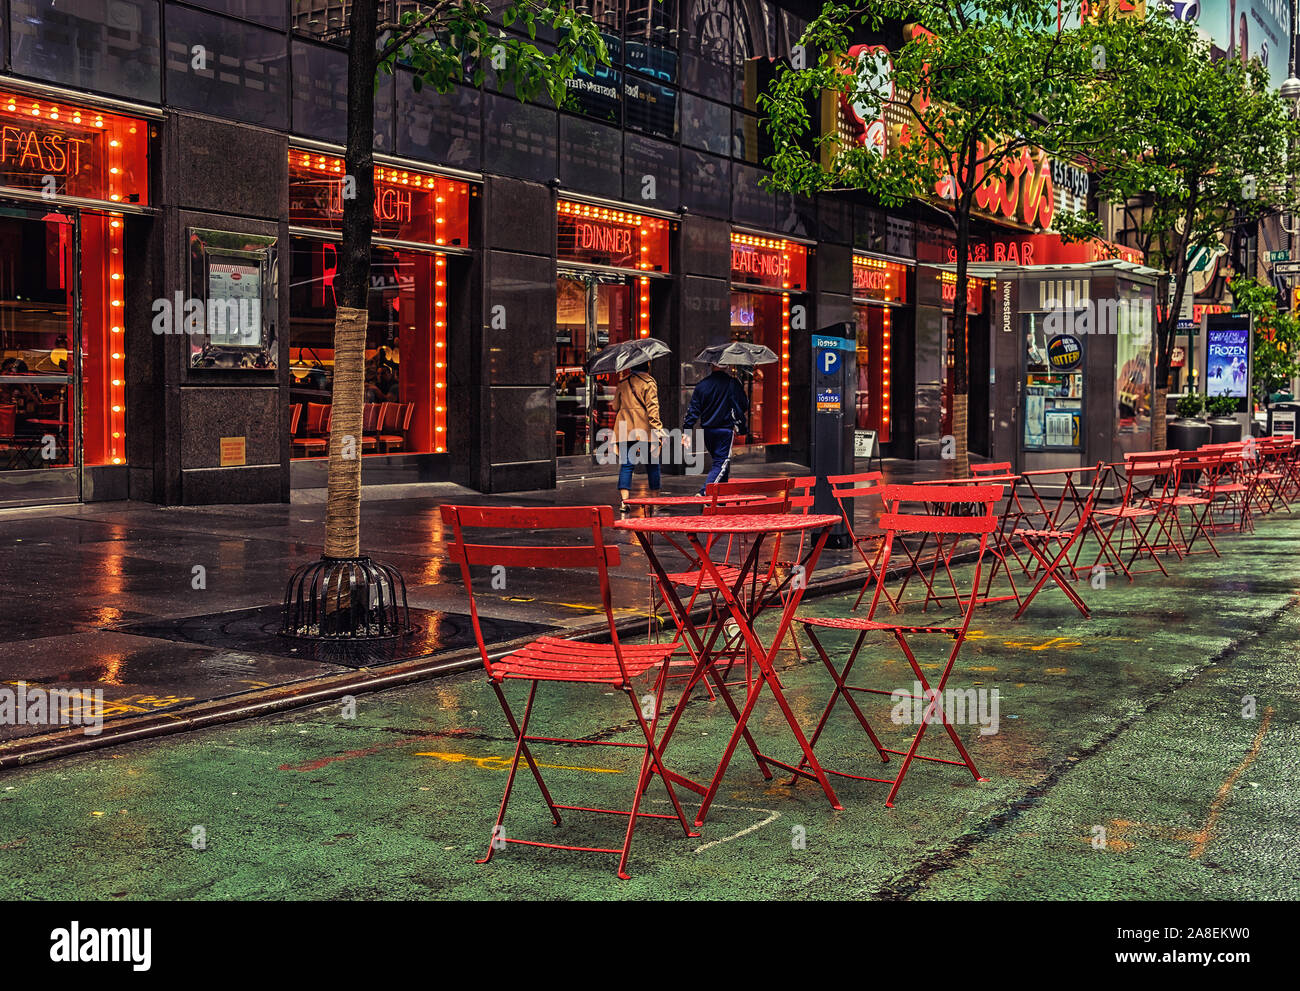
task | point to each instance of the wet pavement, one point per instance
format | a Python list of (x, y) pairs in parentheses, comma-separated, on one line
[(169, 609), (1152, 751)]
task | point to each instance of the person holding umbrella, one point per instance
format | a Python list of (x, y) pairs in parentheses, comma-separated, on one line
[(719, 404), (637, 426), (638, 429)]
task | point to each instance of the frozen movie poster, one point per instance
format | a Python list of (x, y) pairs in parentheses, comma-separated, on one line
[(1227, 361)]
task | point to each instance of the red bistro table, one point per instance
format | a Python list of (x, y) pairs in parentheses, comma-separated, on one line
[(759, 527)]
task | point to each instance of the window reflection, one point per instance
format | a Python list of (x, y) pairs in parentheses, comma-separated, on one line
[(402, 354), (108, 48)]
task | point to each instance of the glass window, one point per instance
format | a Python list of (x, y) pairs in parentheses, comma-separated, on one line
[(519, 138), (650, 107), (405, 350), (268, 13), (590, 157), (755, 29), (443, 128), (749, 138), (650, 172), (706, 183), (597, 93), (320, 92), (750, 202), (874, 347), (38, 411), (601, 236), (591, 312), (105, 47), (409, 205), (1133, 375), (325, 20), (705, 41), (705, 124), (1053, 387), (763, 318), (767, 261), (88, 153), (796, 215), (225, 68), (651, 33)]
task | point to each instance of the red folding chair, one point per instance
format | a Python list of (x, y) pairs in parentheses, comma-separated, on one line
[(863, 485), (1287, 461), (1271, 476), (554, 659), (896, 523), (1228, 481), (1143, 479), (1041, 541), (1188, 467)]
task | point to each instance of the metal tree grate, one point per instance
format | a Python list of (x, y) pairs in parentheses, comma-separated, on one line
[(346, 599)]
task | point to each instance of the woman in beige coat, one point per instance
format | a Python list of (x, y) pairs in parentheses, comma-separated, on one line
[(638, 430)]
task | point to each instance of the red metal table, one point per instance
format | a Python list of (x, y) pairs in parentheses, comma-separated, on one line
[(689, 501), (744, 612)]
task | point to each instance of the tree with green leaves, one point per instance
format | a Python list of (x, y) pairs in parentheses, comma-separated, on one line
[(444, 42), (979, 85), (1276, 358), (1189, 146)]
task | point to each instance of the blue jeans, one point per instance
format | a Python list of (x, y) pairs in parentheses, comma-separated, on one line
[(631, 453), (719, 444)]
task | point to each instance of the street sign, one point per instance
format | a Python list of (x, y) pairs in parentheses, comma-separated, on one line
[(827, 361), (1279, 256), (1287, 268)]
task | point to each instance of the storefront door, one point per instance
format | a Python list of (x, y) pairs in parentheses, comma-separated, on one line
[(592, 311), (40, 389)]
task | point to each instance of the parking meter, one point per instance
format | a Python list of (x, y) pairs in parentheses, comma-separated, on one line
[(834, 391)]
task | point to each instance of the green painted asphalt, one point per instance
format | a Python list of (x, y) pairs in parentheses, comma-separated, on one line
[(1150, 752)]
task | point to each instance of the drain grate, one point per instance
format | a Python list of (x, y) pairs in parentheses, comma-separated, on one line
[(256, 631)]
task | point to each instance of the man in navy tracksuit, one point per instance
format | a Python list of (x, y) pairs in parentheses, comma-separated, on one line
[(718, 406)]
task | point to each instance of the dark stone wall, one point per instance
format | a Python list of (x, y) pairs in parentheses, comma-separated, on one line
[(516, 346), (219, 176)]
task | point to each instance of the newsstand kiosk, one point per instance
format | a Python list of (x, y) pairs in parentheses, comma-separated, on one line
[(1071, 362)]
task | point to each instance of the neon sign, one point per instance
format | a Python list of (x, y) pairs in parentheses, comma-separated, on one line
[(603, 236), (767, 261), (41, 152)]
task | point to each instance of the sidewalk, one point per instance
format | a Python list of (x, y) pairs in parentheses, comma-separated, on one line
[(173, 612), (1152, 752)]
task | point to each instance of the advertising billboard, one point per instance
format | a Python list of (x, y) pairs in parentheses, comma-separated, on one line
[(1227, 355), (1244, 29)]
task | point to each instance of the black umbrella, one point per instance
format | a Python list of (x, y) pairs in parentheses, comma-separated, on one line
[(737, 353), (626, 354)]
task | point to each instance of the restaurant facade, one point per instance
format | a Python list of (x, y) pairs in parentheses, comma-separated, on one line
[(177, 167)]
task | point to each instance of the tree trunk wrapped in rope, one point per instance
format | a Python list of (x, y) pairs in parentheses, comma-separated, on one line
[(345, 596), (343, 505)]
